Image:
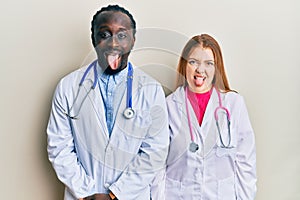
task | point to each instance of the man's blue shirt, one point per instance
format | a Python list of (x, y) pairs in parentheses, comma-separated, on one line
[(112, 88)]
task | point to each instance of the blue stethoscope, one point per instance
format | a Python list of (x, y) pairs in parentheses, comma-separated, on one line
[(193, 145), (128, 112)]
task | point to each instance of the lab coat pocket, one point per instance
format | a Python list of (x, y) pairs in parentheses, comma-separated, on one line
[(128, 134), (221, 151), (226, 138), (135, 127), (226, 189), (174, 189), (224, 162)]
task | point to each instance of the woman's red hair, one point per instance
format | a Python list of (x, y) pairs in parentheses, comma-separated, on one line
[(220, 80)]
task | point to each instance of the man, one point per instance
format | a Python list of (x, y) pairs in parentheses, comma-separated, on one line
[(108, 132)]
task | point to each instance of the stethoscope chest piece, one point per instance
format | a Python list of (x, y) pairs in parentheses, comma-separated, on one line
[(128, 113), (193, 147)]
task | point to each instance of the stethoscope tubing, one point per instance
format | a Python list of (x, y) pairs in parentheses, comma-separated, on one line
[(129, 86), (94, 66), (128, 112), (188, 116), (220, 107)]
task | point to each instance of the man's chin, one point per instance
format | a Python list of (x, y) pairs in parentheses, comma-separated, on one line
[(111, 71)]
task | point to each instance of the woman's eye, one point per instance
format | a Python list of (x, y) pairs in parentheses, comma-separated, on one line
[(210, 63), (192, 62)]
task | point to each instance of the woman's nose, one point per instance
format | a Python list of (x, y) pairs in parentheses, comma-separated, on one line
[(200, 69)]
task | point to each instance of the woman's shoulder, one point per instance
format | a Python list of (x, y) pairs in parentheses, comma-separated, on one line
[(232, 94), (235, 94), (176, 95), (234, 98)]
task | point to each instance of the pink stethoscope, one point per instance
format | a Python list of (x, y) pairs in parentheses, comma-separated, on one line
[(194, 146)]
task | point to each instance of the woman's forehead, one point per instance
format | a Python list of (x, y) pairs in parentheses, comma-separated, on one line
[(200, 52)]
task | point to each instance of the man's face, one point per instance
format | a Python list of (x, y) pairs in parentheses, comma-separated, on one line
[(114, 40)]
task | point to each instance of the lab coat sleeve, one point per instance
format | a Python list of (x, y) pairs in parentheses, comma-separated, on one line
[(151, 158), (61, 149), (246, 157), (158, 185)]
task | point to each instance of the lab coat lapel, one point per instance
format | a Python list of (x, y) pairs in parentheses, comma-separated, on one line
[(206, 133), (120, 121), (181, 100), (209, 112), (208, 127), (135, 125), (180, 134), (208, 130), (96, 101)]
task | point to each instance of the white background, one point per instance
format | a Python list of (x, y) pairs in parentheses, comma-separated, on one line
[(41, 41)]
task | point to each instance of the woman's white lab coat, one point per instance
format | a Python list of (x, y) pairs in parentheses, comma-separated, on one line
[(212, 172), (83, 155)]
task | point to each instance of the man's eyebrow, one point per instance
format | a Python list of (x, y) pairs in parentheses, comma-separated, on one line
[(124, 29), (107, 27)]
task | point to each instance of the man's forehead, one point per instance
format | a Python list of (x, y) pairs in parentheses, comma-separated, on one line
[(113, 17)]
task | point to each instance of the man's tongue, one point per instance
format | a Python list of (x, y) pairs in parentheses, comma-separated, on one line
[(114, 61), (199, 81)]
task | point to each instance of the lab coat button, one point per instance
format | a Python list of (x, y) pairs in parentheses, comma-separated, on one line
[(106, 185)]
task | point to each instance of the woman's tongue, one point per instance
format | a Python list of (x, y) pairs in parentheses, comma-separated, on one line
[(199, 81), (113, 61)]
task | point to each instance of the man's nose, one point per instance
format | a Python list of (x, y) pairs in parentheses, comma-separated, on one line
[(114, 41)]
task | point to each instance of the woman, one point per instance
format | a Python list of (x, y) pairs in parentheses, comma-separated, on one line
[(212, 151)]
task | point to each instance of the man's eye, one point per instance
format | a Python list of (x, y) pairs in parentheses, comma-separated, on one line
[(104, 35), (122, 35)]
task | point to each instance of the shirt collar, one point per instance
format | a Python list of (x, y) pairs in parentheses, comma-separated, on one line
[(117, 78)]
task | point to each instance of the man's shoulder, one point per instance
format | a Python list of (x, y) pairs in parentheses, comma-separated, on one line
[(72, 77)]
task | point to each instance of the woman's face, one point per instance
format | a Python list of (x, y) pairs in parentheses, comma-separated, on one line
[(200, 69)]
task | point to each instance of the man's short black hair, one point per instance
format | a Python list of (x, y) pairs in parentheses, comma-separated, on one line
[(114, 8)]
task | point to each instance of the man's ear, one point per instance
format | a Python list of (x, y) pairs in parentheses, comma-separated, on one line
[(133, 42)]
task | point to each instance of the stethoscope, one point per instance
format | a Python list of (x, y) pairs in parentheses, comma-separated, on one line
[(128, 112), (193, 145)]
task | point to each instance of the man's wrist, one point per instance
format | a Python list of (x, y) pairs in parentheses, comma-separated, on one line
[(112, 196)]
